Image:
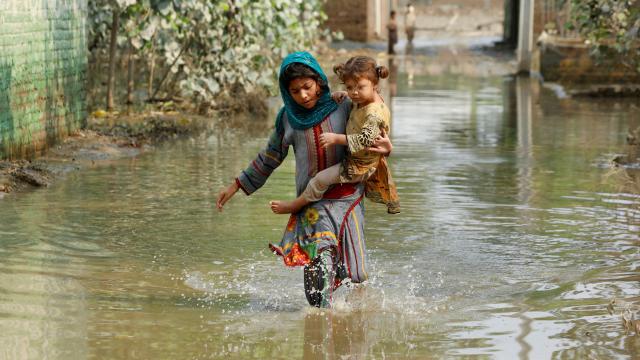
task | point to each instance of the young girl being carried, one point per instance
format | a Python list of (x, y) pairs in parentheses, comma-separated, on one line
[(368, 119)]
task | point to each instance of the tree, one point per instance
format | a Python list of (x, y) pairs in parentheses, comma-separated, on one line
[(208, 47)]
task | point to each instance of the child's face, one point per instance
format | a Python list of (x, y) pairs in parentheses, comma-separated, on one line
[(361, 91), (305, 91)]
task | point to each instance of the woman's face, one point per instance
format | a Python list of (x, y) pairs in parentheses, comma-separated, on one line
[(305, 91)]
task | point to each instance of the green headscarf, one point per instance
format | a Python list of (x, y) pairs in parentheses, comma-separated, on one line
[(300, 118)]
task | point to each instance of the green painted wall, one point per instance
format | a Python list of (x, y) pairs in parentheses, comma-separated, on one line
[(43, 62)]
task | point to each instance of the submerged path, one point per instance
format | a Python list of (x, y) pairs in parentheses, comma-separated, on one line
[(511, 242)]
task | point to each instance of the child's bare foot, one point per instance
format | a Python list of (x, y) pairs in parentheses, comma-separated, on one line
[(288, 207), (281, 207)]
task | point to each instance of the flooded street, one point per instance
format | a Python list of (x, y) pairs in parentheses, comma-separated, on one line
[(511, 243)]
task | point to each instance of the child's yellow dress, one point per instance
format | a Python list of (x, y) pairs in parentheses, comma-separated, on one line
[(363, 127)]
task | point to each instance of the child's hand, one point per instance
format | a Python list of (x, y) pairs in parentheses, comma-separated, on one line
[(328, 139), (339, 96), (381, 144)]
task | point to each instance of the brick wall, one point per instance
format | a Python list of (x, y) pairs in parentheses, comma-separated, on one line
[(359, 20), (43, 61), (348, 16)]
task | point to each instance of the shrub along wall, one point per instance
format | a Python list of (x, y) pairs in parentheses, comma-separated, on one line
[(43, 62)]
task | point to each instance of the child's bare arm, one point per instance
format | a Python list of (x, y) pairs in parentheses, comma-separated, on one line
[(366, 137), (328, 139)]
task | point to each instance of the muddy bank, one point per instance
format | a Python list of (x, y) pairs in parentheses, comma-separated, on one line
[(112, 136)]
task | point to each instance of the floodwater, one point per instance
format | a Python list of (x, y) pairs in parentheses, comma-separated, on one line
[(511, 243)]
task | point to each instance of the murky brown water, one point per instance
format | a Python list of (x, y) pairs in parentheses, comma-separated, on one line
[(510, 245)]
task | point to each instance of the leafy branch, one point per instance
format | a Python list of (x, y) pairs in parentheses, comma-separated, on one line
[(609, 27), (207, 47)]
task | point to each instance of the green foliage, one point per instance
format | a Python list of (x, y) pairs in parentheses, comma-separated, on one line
[(211, 46), (609, 26)]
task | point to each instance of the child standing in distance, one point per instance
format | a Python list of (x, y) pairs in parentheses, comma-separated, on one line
[(410, 23), (392, 27), (369, 118)]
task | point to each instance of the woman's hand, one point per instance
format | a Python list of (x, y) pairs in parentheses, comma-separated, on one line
[(339, 96), (328, 139), (226, 194), (381, 144)]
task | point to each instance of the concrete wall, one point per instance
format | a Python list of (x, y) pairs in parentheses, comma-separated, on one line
[(359, 20), (43, 62), (565, 60)]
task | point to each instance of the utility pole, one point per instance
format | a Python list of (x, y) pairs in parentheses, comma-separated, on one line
[(525, 36)]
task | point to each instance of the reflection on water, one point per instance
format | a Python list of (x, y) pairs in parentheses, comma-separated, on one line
[(510, 244)]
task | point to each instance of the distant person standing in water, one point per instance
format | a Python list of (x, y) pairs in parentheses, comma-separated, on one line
[(410, 23), (392, 26)]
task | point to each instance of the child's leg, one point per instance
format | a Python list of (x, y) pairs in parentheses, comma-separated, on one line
[(314, 191), (319, 184)]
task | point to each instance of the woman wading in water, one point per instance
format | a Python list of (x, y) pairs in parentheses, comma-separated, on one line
[(327, 236)]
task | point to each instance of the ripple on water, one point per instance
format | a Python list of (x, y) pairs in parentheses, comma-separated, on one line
[(602, 290), (508, 246)]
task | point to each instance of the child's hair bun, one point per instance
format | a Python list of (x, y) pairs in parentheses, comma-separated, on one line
[(382, 72), (339, 70)]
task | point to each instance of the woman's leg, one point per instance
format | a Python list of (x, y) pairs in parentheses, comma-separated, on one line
[(319, 276)]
